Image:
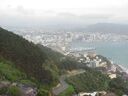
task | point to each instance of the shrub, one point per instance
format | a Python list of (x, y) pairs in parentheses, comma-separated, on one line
[(14, 91)]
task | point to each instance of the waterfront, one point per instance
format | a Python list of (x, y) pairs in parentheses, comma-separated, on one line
[(111, 45), (115, 51)]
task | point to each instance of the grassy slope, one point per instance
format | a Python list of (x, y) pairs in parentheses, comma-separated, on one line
[(68, 92), (9, 72)]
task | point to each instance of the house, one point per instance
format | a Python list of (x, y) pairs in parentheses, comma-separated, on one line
[(98, 93), (112, 75), (87, 94)]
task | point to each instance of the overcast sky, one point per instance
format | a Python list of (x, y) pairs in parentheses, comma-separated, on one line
[(20, 12)]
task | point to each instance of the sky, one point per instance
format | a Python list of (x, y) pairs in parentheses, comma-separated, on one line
[(51, 12)]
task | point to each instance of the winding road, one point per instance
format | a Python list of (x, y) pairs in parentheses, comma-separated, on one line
[(63, 85)]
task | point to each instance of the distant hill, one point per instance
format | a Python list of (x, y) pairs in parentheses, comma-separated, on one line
[(108, 28)]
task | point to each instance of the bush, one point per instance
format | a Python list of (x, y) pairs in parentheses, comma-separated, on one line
[(118, 86), (42, 92), (14, 91), (3, 90), (9, 72), (68, 92)]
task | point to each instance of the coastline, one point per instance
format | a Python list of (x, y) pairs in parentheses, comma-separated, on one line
[(121, 68)]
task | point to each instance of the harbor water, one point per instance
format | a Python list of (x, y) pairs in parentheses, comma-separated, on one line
[(115, 51)]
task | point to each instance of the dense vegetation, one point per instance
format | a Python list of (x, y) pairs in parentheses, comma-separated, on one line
[(89, 81), (11, 91), (92, 80), (37, 61), (9, 73), (119, 86), (25, 55), (62, 62)]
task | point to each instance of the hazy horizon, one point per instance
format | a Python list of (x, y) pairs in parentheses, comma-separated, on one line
[(62, 12)]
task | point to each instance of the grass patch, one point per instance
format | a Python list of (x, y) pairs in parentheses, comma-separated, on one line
[(8, 72), (68, 92), (14, 91), (27, 82)]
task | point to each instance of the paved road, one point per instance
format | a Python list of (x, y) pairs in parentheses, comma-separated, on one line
[(63, 85)]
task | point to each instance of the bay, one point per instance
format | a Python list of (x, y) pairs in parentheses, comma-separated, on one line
[(115, 51)]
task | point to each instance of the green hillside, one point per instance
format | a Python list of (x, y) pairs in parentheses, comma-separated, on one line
[(28, 57), (89, 81), (36, 61), (9, 72)]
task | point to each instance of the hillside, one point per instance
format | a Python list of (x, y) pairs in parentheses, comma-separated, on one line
[(32, 62), (11, 78), (25, 55), (90, 80), (24, 62), (108, 28), (36, 61)]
